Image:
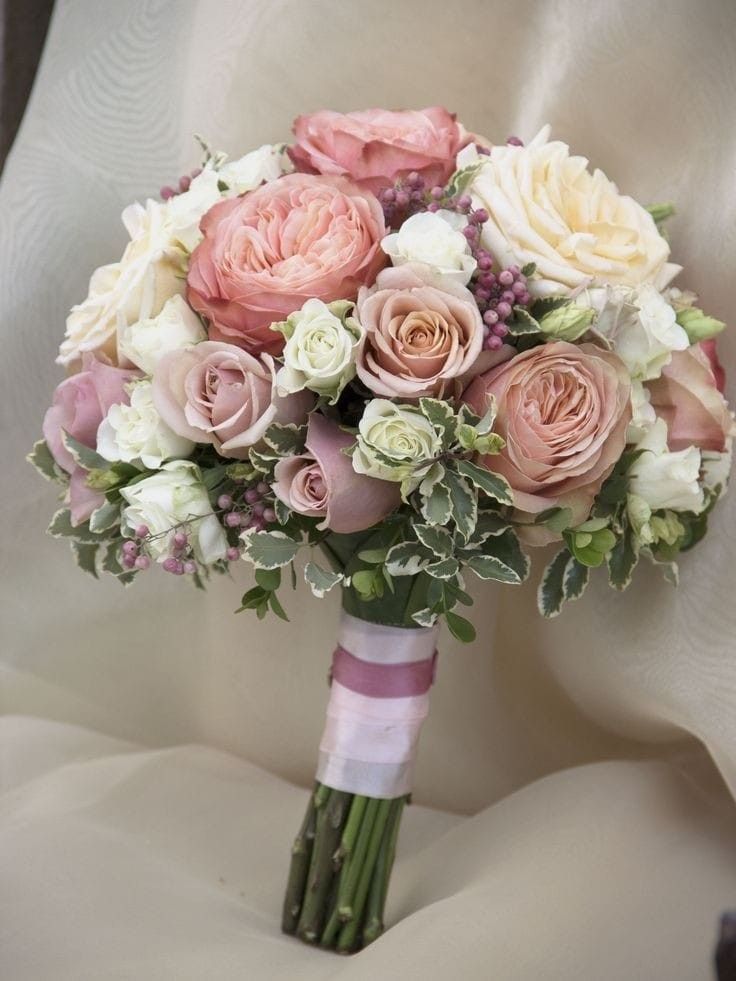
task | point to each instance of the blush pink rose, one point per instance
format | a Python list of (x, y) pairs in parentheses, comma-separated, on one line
[(563, 410), (419, 338), (686, 396), (217, 393), (375, 147), (321, 482), (710, 350), (266, 253), (79, 405)]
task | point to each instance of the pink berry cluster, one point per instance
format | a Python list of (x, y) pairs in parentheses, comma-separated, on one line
[(496, 295), (250, 509), (167, 191)]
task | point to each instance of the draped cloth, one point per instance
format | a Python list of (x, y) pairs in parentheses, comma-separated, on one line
[(572, 812)]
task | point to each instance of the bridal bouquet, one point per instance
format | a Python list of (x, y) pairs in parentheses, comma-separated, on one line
[(415, 354)]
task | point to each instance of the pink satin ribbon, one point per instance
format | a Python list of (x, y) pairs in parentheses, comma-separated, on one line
[(378, 680)]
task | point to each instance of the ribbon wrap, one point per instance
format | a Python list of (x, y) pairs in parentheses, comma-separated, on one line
[(379, 698)]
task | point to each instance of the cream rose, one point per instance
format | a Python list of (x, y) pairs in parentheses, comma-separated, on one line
[(546, 207), (321, 344), (152, 269), (144, 343), (422, 333), (435, 239), (260, 166), (394, 441), (169, 500), (137, 434)]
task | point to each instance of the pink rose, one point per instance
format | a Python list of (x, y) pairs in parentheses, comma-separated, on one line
[(217, 393), (79, 405), (563, 410), (418, 337), (375, 147), (686, 396), (321, 482), (710, 349), (266, 253)]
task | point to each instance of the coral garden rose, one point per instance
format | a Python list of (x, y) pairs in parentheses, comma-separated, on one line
[(217, 393), (321, 482), (686, 396), (80, 404), (376, 147), (421, 333), (563, 411), (546, 207), (266, 253)]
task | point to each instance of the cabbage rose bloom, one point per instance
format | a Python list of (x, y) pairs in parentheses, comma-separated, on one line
[(217, 393), (265, 254), (546, 207), (322, 483), (422, 333), (563, 410), (376, 147)]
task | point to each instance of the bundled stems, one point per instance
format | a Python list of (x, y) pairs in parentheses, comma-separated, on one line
[(340, 867)]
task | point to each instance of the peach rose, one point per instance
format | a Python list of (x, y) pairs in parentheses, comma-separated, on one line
[(216, 393), (563, 410), (686, 396), (322, 483), (266, 253), (375, 147), (421, 332)]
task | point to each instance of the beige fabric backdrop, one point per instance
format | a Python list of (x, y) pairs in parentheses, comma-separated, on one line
[(133, 841)]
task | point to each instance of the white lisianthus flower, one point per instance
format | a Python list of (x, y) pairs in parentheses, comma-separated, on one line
[(267, 163), (152, 269), (639, 325), (546, 207), (717, 468), (394, 441), (664, 479), (435, 239), (321, 343), (146, 341), (643, 415), (169, 500), (137, 434)]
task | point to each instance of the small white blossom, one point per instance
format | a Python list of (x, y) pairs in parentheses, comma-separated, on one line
[(435, 239), (137, 434)]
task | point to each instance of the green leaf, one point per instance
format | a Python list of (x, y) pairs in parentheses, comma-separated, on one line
[(523, 324), (697, 325), (463, 503), (529, 269), (622, 560), (40, 457), (283, 512), (285, 440), (444, 569), (373, 556), (575, 579), (106, 516), (407, 559), (436, 507), (491, 567), (556, 519), (436, 539), (441, 416), (460, 628), (661, 212), (111, 560), (254, 598), (268, 579), (83, 455), (551, 592), (61, 527), (321, 580), (425, 618), (493, 485), (269, 549), (507, 549), (86, 556), (276, 606), (489, 523)]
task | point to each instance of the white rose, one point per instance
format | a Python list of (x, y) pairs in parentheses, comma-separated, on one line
[(137, 434), (640, 326), (152, 269), (267, 163), (174, 499), (643, 415), (435, 239), (394, 441), (320, 349), (546, 207), (664, 479), (146, 341)]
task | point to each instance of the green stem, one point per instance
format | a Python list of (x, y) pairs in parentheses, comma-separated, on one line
[(322, 866), (301, 854), (342, 857), (373, 927), (349, 933), (351, 871)]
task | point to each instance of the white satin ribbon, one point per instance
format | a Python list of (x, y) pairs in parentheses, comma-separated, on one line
[(369, 743)]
